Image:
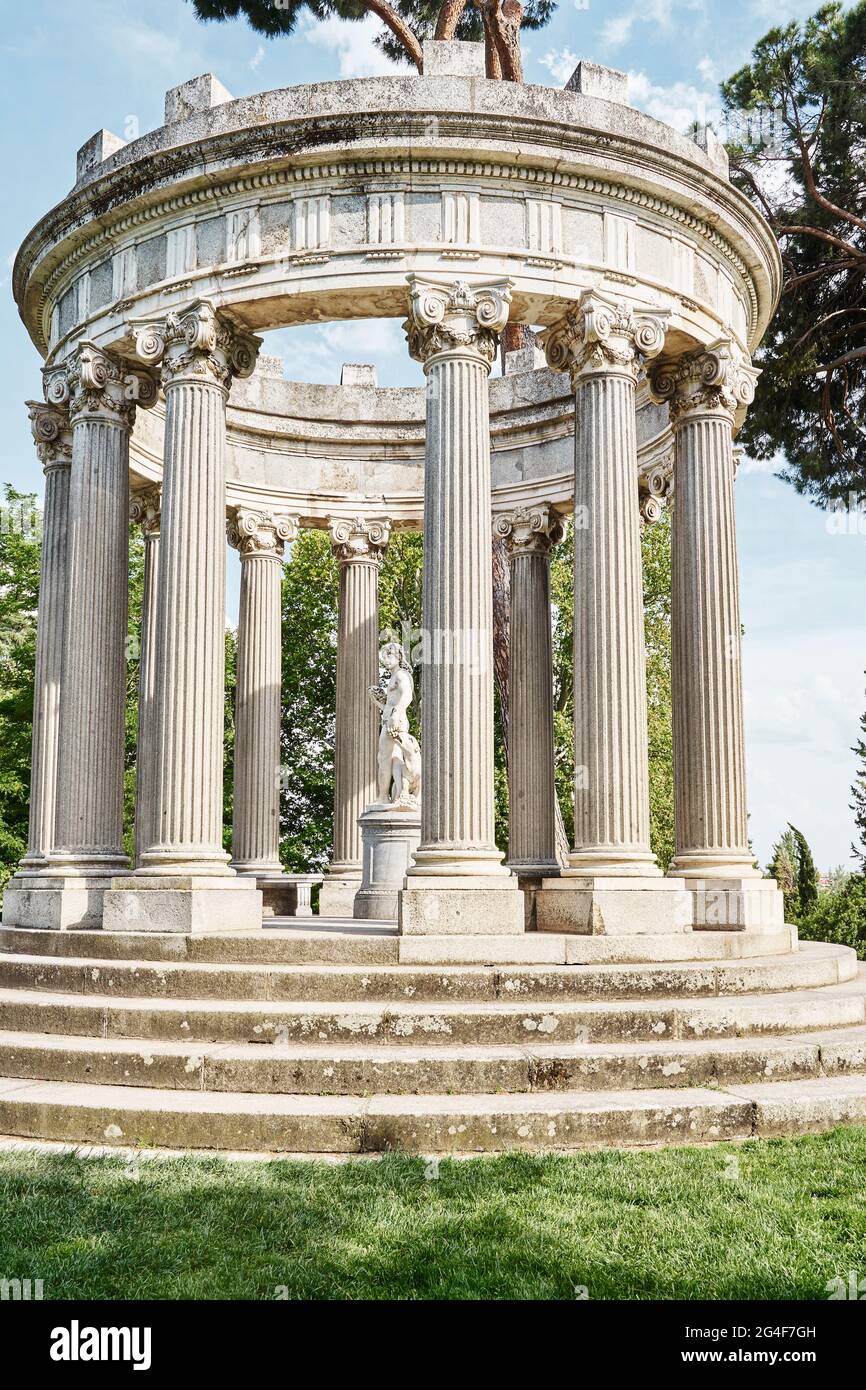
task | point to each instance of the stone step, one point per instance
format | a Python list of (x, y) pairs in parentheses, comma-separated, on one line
[(436, 1022), (240, 1122), (337, 942), (326, 945), (339, 1069), (808, 968)]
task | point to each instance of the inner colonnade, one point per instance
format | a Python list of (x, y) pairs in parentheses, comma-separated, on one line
[(75, 871)]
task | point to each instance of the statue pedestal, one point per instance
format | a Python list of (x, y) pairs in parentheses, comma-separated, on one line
[(390, 837)]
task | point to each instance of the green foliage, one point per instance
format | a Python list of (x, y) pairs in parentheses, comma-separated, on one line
[(793, 868), (784, 867), (807, 874), (19, 594), (310, 589), (805, 174), (133, 672), (420, 15), (839, 916), (656, 552), (858, 792)]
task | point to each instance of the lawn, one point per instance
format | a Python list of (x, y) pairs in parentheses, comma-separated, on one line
[(767, 1219)]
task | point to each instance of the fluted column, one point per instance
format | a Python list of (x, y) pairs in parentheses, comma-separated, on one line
[(184, 882), (704, 391), (53, 434), (453, 330), (613, 883), (260, 538), (199, 352), (102, 393), (145, 510), (603, 345), (530, 533), (359, 546)]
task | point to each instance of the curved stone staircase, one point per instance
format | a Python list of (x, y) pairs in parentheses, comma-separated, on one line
[(328, 1040)]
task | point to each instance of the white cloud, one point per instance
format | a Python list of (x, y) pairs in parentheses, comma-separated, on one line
[(657, 13), (560, 63), (257, 57), (617, 31), (352, 43), (708, 70), (679, 104)]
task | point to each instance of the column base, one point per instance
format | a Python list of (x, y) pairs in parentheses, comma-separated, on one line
[(193, 906), (748, 903), (614, 906), (337, 897), (389, 839), (55, 902), (530, 879), (461, 906)]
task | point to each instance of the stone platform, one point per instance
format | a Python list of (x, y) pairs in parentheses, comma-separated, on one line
[(329, 1041)]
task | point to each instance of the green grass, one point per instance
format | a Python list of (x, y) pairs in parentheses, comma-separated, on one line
[(672, 1223)]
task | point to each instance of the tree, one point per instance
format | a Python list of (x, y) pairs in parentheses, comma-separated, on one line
[(807, 874), (783, 867), (793, 868), (19, 594), (858, 791), (799, 157), (407, 23)]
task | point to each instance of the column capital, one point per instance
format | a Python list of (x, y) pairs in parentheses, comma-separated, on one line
[(655, 489), (360, 539), (717, 380), (259, 533), (198, 345), (529, 530), (52, 433), (145, 510), (452, 316), (93, 384), (604, 336)]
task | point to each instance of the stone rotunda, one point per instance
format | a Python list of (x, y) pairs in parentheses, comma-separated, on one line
[(514, 1001)]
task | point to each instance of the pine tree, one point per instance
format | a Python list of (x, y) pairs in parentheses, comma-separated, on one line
[(807, 874), (783, 867)]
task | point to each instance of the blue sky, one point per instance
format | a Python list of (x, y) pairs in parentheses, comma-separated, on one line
[(68, 69)]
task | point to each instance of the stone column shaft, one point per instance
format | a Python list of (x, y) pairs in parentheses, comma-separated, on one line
[(52, 432), (359, 546), (145, 509), (531, 785), (260, 538), (184, 882), (704, 390), (613, 885), (453, 329), (602, 344), (89, 817)]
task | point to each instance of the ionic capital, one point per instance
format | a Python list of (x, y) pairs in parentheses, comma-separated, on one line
[(145, 510), (198, 345), (655, 490), (52, 432), (529, 530), (718, 380), (360, 539), (603, 336), (93, 384), (259, 534), (451, 316)]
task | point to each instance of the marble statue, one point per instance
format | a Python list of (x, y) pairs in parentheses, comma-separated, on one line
[(399, 756)]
